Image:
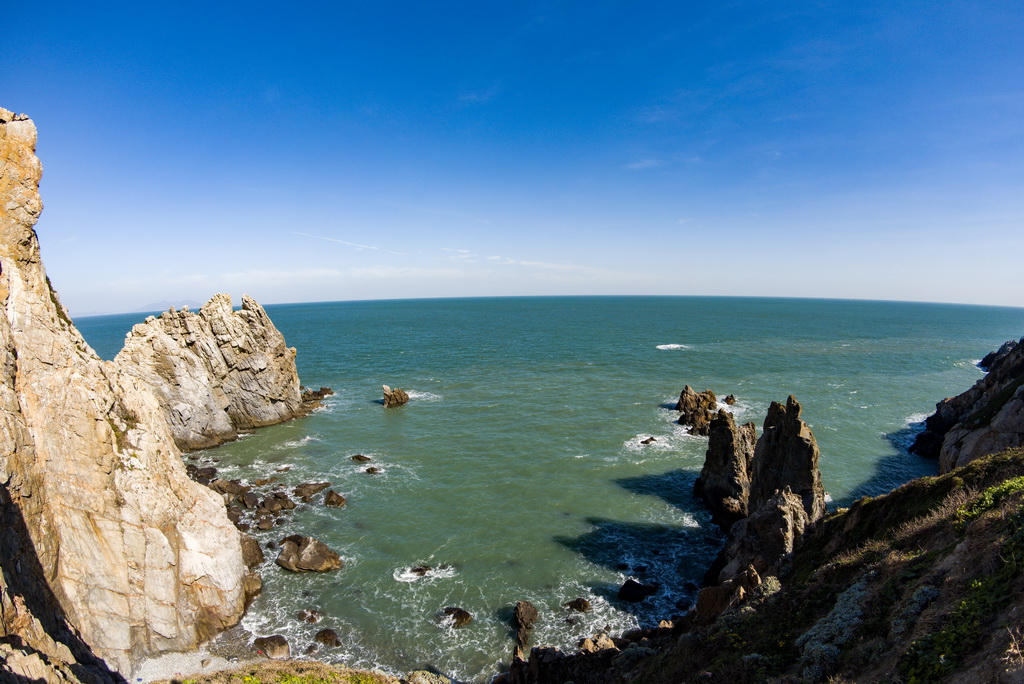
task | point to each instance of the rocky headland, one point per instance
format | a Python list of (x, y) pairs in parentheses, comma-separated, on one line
[(111, 553), (923, 584)]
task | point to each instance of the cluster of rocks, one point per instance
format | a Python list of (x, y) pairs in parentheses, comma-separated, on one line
[(394, 397), (697, 409), (988, 417)]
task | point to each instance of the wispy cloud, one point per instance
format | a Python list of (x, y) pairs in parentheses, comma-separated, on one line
[(354, 245), (480, 96), (646, 164)]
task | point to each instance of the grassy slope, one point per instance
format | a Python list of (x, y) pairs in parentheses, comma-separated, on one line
[(287, 672), (922, 584)]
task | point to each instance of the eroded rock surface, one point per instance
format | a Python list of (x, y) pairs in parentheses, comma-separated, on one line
[(724, 482), (110, 549), (394, 396), (215, 372), (697, 409)]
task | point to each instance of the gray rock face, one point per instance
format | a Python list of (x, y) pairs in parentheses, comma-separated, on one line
[(109, 549), (724, 482), (987, 418), (215, 372), (787, 455), (765, 539)]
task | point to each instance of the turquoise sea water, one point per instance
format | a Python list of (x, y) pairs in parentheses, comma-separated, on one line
[(517, 468)]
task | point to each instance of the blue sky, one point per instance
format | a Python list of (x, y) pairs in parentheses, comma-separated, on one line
[(387, 150)]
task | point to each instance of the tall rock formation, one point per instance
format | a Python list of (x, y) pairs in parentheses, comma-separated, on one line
[(696, 409), (215, 372), (740, 476), (987, 418), (787, 455), (109, 547), (724, 482)]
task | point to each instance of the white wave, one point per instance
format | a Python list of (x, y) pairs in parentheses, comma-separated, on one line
[(296, 443), (672, 346), (408, 574), (917, 418), (424, 396)]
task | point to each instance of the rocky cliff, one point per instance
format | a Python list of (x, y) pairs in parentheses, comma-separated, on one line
[(986, 418), (110, 552), (214, 372)]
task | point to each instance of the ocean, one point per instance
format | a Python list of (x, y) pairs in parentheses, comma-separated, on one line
[(517, 470)]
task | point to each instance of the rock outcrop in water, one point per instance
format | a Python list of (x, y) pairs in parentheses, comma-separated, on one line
[(394, 397), (986, 418), (216, 372), (696, 409), (740, 474), (110, 553)]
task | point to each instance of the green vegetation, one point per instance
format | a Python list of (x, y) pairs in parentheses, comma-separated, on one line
[(289, 672), (61, 314)]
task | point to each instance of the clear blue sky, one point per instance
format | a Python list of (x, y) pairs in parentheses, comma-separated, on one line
[(327, 151)]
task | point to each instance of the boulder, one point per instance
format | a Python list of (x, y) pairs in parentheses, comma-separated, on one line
[(632, 591), (360, 458), (524, 616), (459, 617), (252, 554), (580, 605), (328, 637), (333, 498), (274, 647), (394, 397), (696, 410), (372, 470), (306, 554), (309, 616), (724, 482), (309, 489)]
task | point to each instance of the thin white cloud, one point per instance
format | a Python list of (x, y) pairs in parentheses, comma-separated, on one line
[(355, 245), (646, 164)]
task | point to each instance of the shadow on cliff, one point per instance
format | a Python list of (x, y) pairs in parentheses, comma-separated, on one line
[(23, 576), (896, 468)]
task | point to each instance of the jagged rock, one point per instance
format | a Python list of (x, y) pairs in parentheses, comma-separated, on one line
[(459, 617), (252, 554), (696, 410), (524, 616), (634, 592), (715, 600), (313, 399), (360, 458), (215, 372), (333, 498), (394, 397), (121, 555), (989, 359), (730, 400), (274, 647), (786, 455), (328, 637), (580, 605), (987, 418), (648, 440), (764, 540), (724, 482), (309, 489), (299, 554)]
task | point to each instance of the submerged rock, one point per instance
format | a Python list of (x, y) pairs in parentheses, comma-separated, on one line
[(459, 617), (309, 489), (580, 605), (635, 592), (394, 397), (360, 458)]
